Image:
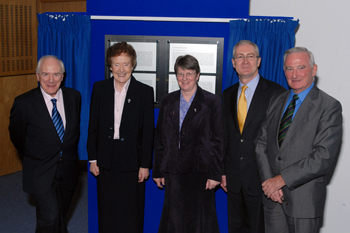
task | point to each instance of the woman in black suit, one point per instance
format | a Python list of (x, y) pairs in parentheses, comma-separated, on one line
[(120, 142), (188, 153)]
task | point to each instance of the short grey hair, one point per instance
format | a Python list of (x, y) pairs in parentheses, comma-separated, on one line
[(299, 50), (49, 56), (243, 42)]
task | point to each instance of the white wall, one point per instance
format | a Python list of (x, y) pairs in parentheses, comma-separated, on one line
[(325, 31)]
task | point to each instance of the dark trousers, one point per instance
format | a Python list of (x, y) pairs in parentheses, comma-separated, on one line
[(245, 213), (52, 206)]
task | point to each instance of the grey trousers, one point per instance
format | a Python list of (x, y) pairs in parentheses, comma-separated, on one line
[(276, 221)]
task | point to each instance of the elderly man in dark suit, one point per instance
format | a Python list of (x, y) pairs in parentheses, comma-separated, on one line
[(45, 127), (241, 179), (296, 147)]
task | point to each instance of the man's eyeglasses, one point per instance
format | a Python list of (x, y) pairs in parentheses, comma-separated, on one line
[(248, 57)]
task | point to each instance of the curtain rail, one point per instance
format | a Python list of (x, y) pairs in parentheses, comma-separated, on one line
[(169, 19)]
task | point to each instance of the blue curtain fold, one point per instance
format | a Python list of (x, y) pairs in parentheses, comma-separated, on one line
[(68, 36), (273, 37)]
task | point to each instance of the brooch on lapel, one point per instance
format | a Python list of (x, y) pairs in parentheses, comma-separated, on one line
[(129, 100), (195, 110)]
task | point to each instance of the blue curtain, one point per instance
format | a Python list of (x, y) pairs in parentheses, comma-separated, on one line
[(273, 37), (68, 36)]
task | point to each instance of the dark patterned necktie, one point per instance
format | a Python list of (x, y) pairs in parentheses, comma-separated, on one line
[(286, 120), (57, 121)]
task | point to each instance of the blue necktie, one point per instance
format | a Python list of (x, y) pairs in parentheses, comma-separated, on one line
[(57, 121), (287, 120)]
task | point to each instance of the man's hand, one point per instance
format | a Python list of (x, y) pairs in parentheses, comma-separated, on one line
[(94, 169), (272, 185), (211, 184), (223, 183), (160, 182), (143, 174), (277, 196)]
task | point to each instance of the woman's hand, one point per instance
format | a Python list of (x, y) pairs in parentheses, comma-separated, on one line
[(224, 183), (211, 184), (160, 182), (143, 174), (94, 169)]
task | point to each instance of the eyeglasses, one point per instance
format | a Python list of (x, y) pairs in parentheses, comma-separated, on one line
[(181, 75), (248, 57)]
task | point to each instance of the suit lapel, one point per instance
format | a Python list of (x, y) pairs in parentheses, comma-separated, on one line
[(258, 99), (43, 111), (130, 102), (68, 111), (108, 100), (173, 110), (302, 115), (195, 107), (277, 116), (233, 104)]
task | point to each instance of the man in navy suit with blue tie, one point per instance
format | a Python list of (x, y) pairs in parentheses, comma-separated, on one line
[(45, 127)]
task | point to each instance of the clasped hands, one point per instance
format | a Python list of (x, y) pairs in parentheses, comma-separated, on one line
[(272, 188)]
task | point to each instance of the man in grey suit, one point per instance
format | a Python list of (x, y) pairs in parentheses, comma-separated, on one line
[(296, 150)]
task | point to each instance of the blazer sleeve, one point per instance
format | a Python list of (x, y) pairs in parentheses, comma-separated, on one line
[(93, 124), (158, 145), (147, 128), (217, 141), (324, 149), (225, 102), (261, 157), (18, 126)]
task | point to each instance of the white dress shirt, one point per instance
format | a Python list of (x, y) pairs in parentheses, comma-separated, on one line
[(59, 104), (249, 92), (119, 100)]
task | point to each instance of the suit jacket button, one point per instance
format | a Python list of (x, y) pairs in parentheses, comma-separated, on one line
[(109, 136), (122, 139), (242, 158), (242, 140), (110, 128), (279, 158)]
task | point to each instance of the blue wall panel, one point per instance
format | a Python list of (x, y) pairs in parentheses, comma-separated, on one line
[(170, 8), (165, 8)]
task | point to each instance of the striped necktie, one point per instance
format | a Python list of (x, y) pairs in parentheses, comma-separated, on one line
[(286, 120), (57, 121), (242, 109)]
